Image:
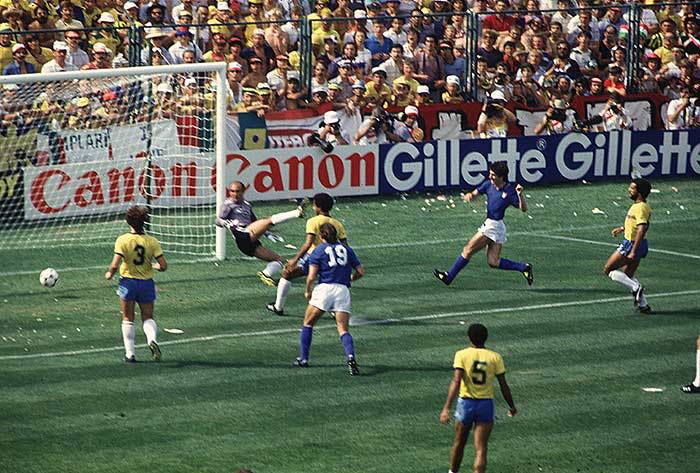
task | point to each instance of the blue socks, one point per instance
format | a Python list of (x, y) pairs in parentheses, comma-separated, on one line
[(510, 265), (348, 346), (456, 267), (305, 342)]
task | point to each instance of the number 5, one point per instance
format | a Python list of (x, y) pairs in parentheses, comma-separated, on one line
[(478, 372)]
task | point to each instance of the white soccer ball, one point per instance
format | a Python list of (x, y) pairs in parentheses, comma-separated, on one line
[(48, 277)]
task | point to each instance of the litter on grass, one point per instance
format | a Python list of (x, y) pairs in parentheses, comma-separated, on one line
[(176, 331), (597, 211)]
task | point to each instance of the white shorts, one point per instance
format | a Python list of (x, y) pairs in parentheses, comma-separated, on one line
[(331, 298), (494, 230)]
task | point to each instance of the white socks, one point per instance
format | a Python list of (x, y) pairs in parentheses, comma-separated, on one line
[(129, 336), (272, 268), (622, 278), (150, 329), (643, 299), (284, 216), (696, 383), (283, 287)]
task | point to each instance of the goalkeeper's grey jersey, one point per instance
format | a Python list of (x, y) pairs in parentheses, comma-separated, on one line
[(241, 213)]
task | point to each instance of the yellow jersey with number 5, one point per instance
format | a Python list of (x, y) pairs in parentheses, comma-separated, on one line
[(313, 226), (137, 252), (480, 367), (638, 214)]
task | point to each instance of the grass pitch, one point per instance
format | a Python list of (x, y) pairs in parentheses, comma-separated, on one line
[(224, 396)]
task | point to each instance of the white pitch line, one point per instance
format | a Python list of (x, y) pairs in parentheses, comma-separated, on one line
[(365, 247), (603, 243), (444, 315)]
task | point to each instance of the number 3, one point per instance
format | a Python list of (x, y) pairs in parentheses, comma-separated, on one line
[(140, 250)]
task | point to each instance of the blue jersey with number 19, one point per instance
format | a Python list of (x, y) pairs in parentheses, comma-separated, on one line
[(335, 263), (137, 252)]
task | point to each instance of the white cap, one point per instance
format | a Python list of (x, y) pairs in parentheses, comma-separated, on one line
[(155, 33), (106, 17), (330, 117), (359, 14), (164, 87), (410, 110), (17, 47), (223, 6), (292, 74), (498, 95), (319, 89), (452, 80), (60, 46), (423, 89), (234, 66), (100, 48), (190, 81), (258, 31), (130, 5)]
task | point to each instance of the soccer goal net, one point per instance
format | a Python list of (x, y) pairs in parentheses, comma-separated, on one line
[(79, 148)]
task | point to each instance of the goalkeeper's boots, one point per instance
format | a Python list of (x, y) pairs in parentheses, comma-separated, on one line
[(352, 366), (303, 203), (299, 363), (271, 307), (442, 276), (266, 280), (155, 350), (691, 389), (529, 274)]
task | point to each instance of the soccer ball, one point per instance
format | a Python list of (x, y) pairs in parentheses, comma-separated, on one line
[(48, 277)]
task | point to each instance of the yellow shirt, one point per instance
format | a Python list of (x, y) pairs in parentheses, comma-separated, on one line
[(45, 56), (372, 92), (313, 226), (638, 214), (665, 54), (480, 366), (137, 252), (5, 56), (412, 83), (319, 36)]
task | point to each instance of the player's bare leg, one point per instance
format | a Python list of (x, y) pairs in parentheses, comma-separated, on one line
[(612, 269), (128, 330), (273, 267), (482, 432), (458, 444), (342, 320), (494, 260), (694, 387), (311, 316), (475, 244), (150, 329)]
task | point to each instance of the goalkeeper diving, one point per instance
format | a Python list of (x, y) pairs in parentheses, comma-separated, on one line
[(237, 215)]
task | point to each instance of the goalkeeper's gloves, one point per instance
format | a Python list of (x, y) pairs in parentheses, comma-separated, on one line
[(230, 223)]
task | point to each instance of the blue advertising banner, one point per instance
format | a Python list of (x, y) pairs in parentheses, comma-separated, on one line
[(539, 159)]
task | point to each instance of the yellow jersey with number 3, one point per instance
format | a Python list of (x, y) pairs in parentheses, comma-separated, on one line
[(313, 226), (638, 214), (137, 252), (480, 367)]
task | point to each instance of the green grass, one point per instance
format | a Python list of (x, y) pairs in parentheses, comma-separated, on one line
[(576, 369)]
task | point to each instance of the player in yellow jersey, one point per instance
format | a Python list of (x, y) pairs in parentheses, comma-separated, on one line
[(298, 266), (623, 262), (136, 252), (476, 369)]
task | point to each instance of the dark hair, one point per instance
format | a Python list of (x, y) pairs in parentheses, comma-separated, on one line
[(478, 334), (500, 168), (137, 217), (643, 186), (329, 233), (323, 201)]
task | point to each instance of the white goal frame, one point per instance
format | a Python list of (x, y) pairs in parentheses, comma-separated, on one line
[(218, 68)]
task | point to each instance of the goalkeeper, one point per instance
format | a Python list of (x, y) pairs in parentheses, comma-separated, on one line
[(237, 215)]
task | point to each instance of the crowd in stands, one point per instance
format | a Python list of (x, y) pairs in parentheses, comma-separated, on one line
[(363, 53)]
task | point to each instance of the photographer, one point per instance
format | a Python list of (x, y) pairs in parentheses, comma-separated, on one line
[(330, 131), (556, 120), (614, 115), (494, 118), (407, 127), (682, 112), (377, 129)]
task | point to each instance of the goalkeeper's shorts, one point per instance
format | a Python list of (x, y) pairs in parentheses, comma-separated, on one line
[(244, 242)]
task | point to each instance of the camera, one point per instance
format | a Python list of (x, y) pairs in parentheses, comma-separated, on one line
[(500, 79), (614, 108), (558, 115), (381, 119), (314, 139)]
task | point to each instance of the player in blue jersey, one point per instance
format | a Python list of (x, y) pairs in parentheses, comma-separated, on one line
[(333, 263), (623, 262), (237, 215), (500, 194), (136, 251)]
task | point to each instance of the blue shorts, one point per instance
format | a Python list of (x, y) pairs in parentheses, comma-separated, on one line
[(471, 410), (303, 263), (626, 246), (142, 291)]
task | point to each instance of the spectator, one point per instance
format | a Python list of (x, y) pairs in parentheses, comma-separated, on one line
[(488, 50), (556, 34), (217, 52), (131, 15), (39, 55), (499, 22), (407, 77), (100, 58), (408, 129), (58, 63), (106, 34), (494, 118), (690, 36), (202, 34), (295, 91), (256, 75), (562, 89), (535, 30), (422, 96), (165, 104), (190, 100), (378, 44), (248, 102), (614, 81), (526, 91), (235, 46), (656, 40), (597, 87), (75, 55), (562, 17), (396, 33), (363, 54), (376, 90), (394, 65), (430, 68), (277, 78), (563, 64), (292, 27), (330, 55), (453, 92), (411, 47), (615, 117), (91, 13), (222, 22), (453, 66), (401, 95), (650, 74), (66, 21), (360, 24), (613, 16), (583, 22), (606, 47), (673, 68), (320, 76), (342, 11), (19, 65), (156, 39), (682, 112), (665, 51), (344, 79), (234, 90), (183, 42), (556, 120), (515, 34), (275, 37), (349, 54), (255, 15), (260, 50), (319, 100), (267, 98), (185, 6), (582, 54)]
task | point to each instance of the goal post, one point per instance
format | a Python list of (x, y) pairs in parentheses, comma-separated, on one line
[(81, 147)]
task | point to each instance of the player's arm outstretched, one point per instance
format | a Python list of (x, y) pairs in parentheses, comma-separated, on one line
[(505, 390), (469, 196), (522, 205), (451, 395)]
